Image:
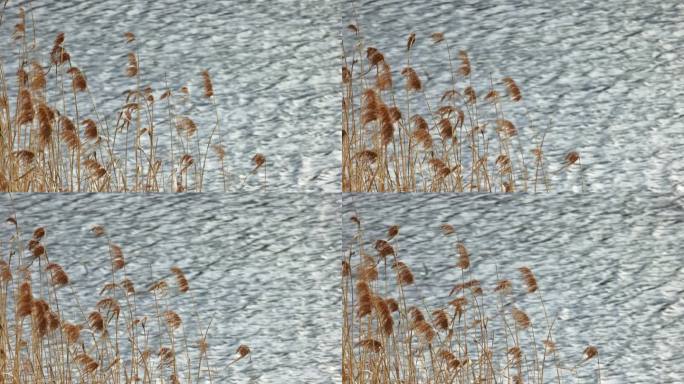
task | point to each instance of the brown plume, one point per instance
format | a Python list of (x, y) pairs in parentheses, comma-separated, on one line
[(521, 318), (78, 80), (24, 299), (464, 68), (59, 277), (463, 256), (513, 90), (132, 68), (440, 319), (528, 279), (404, 274), (208, 87), (437, 37), (118, 260), (25, 107), (182, 282), (411, 41), (173, 320), (413, 82), (364, 299), (89, 365)]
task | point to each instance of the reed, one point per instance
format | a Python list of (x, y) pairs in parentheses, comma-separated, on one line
[(132, 334), (395, 138), (481, 332), (54, 138)]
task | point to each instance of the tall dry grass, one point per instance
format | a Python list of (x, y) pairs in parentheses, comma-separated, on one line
[(53, 137), (121, 339), (481, 334), (395, 138)]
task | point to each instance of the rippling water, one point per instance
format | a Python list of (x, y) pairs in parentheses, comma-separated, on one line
[(610, 267), (606, 76), (273, 64), (259, 266)]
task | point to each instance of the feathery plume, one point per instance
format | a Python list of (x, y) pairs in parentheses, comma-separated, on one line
[(413, 82), (132, 68), (59, 277), (182, 282), (464, 68), (411, 41), (404, 274), (513, 90), (437, 37), (463, 256), (521, 318), (528, 279), (208, 87), (258, 160)]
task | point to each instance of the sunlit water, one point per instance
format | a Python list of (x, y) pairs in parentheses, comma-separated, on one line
[(260, 267), (609, 267), (273, 65), (605, 77)]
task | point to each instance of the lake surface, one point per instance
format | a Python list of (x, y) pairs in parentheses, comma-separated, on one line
[(273, 63), (605, 77), (610, 267), (260, 266)]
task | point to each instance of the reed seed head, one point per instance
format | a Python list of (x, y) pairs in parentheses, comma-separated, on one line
[(392, 231), (129, 37), (132, 68), (521, 318), (413, 82), (411, 41), (463, 256), (258, 160), (590, 352), (173, 320), (59, 277), (243, 351), (208, 87), (464, 68), (440, 319), (181, 280), (513, 90), (89, 365), (437, 37), (24, 300), (404, 274), (384, 248), (370, 344), (528, 279)]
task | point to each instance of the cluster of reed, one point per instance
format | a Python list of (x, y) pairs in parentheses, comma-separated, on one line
[(111, 343), (396, 140), (481, 334), (54, 139)]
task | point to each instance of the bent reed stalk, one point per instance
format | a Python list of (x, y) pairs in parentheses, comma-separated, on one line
[(481, 333), (113, 342), (398, 140), (53, 138)]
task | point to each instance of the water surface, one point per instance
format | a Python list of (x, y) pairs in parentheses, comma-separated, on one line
[(609, 267), (273, 65), (259, 266), (604, 77)]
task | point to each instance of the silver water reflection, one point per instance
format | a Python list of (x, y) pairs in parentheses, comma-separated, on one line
[(273, 65), (259, 266), (610, 267), (604, 76)]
